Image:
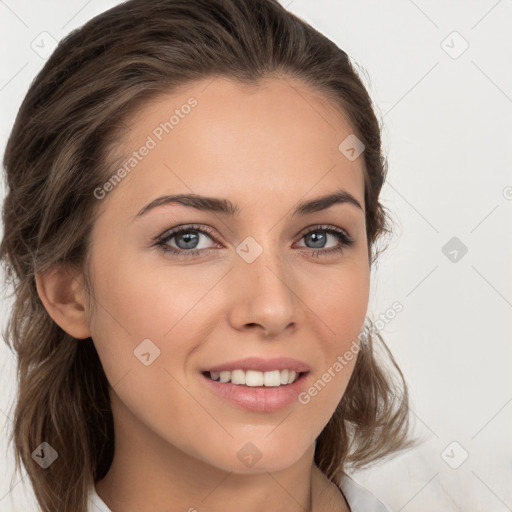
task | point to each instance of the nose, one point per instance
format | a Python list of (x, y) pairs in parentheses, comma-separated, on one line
[(263, 297)]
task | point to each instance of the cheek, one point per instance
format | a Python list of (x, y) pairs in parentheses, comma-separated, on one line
[(349, 309), (163, 305), (340, 299), (153, 301), (144, 298), (340, 308)]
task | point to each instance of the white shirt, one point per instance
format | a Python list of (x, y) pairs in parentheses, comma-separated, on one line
[(358, 498)]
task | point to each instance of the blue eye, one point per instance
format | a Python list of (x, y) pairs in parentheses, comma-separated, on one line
[(188, 238), (344, 240)]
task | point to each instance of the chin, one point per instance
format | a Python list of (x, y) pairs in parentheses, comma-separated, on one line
[(257, 456)]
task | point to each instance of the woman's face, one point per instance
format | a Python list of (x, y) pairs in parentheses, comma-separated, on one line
[(265, 281)]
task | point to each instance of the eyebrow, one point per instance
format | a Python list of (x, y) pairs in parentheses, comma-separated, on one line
[(226, 207)]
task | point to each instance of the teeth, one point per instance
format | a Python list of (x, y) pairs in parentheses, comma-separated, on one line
[(272, 378), (237, 377), (253, 378)]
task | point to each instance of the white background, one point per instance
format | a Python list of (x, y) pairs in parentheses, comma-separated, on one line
[(447, 133)]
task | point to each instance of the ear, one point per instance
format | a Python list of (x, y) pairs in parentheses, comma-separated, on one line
[(62, 295)]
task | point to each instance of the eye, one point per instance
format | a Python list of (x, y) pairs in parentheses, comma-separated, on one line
[(186, 240), (319, 236)]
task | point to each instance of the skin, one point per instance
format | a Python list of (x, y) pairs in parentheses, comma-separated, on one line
[(264, 148)]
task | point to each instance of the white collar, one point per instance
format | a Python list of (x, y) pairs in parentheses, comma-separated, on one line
[(358, 497)]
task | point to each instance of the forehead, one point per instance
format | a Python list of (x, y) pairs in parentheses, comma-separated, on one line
[(220, 137)]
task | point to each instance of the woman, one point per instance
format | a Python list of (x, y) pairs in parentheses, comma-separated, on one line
[(191, 220)]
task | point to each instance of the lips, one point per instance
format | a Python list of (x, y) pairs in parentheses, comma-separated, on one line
[(261, 365)]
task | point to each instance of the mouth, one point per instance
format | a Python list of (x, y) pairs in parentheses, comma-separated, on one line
[(254, 378), (261, 392), (256, 383)]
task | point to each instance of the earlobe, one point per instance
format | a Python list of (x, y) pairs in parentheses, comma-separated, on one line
[(61, 294)]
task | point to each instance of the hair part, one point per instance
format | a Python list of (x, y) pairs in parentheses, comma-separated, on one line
[(62, 147)]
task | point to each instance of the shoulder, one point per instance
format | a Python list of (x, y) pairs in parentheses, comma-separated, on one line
[(358, 497)]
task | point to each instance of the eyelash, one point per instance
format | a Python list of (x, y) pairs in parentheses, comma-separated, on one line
[(161, 241)]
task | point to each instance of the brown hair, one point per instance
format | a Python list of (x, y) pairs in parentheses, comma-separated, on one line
[(60, 151)]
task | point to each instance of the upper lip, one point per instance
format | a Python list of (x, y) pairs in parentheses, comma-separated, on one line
[(262, 365)]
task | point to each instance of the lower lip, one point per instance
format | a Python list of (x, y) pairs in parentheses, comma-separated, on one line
[(261, 398)]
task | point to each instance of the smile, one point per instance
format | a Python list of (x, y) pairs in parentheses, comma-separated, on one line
[(255, 394), (254, 378)]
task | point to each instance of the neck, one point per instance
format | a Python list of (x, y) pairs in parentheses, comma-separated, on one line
[(149, 473)]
